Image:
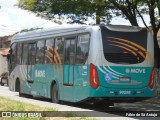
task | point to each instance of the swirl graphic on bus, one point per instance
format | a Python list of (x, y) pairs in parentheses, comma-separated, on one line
[(133, 48)]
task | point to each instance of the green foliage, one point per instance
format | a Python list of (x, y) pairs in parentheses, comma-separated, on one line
[(80, 10), (28, 4), (132, 9), (26, 30), (77, 10)]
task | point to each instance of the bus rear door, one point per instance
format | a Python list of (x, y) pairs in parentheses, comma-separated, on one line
[(68, 79)]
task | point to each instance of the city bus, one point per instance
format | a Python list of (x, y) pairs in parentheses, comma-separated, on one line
[(99, 64)]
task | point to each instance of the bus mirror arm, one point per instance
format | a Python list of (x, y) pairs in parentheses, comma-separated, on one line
[(8, 57), (30, 81)]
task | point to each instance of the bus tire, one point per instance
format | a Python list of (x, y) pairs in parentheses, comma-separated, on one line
[(54, 94), (20, 93), (17, 86)]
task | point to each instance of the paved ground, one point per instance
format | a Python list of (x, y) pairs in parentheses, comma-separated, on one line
[(102, 112), (155, 100), (82, 110)]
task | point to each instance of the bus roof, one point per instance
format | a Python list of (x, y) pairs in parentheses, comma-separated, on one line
[(61, 31), (46, 33)]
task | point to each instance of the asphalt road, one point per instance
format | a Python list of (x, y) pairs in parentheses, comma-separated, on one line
[(101, 112)]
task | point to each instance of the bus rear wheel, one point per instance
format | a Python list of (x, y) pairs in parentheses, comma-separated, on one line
[(54, 94)]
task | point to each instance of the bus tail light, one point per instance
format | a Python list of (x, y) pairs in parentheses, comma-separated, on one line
[(151, 82), (94, 82)]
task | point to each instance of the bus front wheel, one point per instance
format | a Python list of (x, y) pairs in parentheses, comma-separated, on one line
[(20, 91), (55, 97), (17, 86)]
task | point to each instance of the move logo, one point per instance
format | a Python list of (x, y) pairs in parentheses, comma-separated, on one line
[(40, 73), (136, 70)]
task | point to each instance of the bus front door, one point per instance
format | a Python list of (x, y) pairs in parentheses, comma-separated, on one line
[(68, 79), (31, 62)]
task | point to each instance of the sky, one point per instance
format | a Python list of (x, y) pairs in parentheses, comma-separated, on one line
[(13, 19)]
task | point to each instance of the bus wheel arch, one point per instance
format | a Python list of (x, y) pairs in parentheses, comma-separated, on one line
[(54, 92), (17, 85)]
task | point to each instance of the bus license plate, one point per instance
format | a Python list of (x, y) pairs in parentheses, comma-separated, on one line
[(124, 79), (124, 92)]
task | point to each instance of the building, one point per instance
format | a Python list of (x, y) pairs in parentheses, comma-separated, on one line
[(5, 41), (4, 51)]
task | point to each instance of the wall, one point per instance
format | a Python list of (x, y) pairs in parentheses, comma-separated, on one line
[(3, 64)]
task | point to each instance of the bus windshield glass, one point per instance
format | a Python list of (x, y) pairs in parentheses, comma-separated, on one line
[(124, 47)]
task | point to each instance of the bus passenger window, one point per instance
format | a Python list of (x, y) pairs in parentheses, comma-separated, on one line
[(25, 54), (49, 49), (13, 55), (82, 48), (40, 52), (32, 53), (19, 53), (58, 52)]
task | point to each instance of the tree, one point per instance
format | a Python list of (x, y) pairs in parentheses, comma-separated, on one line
[(132, 9), (77, 10), (27, 30)]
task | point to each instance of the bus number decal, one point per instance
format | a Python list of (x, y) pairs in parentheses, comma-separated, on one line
[(125, 92), (40, 73)]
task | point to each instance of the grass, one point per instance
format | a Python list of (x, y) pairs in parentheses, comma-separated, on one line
[(12, 105)]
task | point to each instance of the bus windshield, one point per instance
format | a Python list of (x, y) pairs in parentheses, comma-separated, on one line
[(124, 47)]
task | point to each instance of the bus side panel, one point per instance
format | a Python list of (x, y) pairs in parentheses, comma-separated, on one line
[(81, 82), (41, 75), (25, 86)]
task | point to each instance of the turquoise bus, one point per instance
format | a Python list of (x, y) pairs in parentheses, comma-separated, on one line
[(83, 63)]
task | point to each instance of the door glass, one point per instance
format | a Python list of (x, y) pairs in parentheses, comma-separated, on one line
[(67, 45), (72, 52), (31, 60), (69, 60)]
